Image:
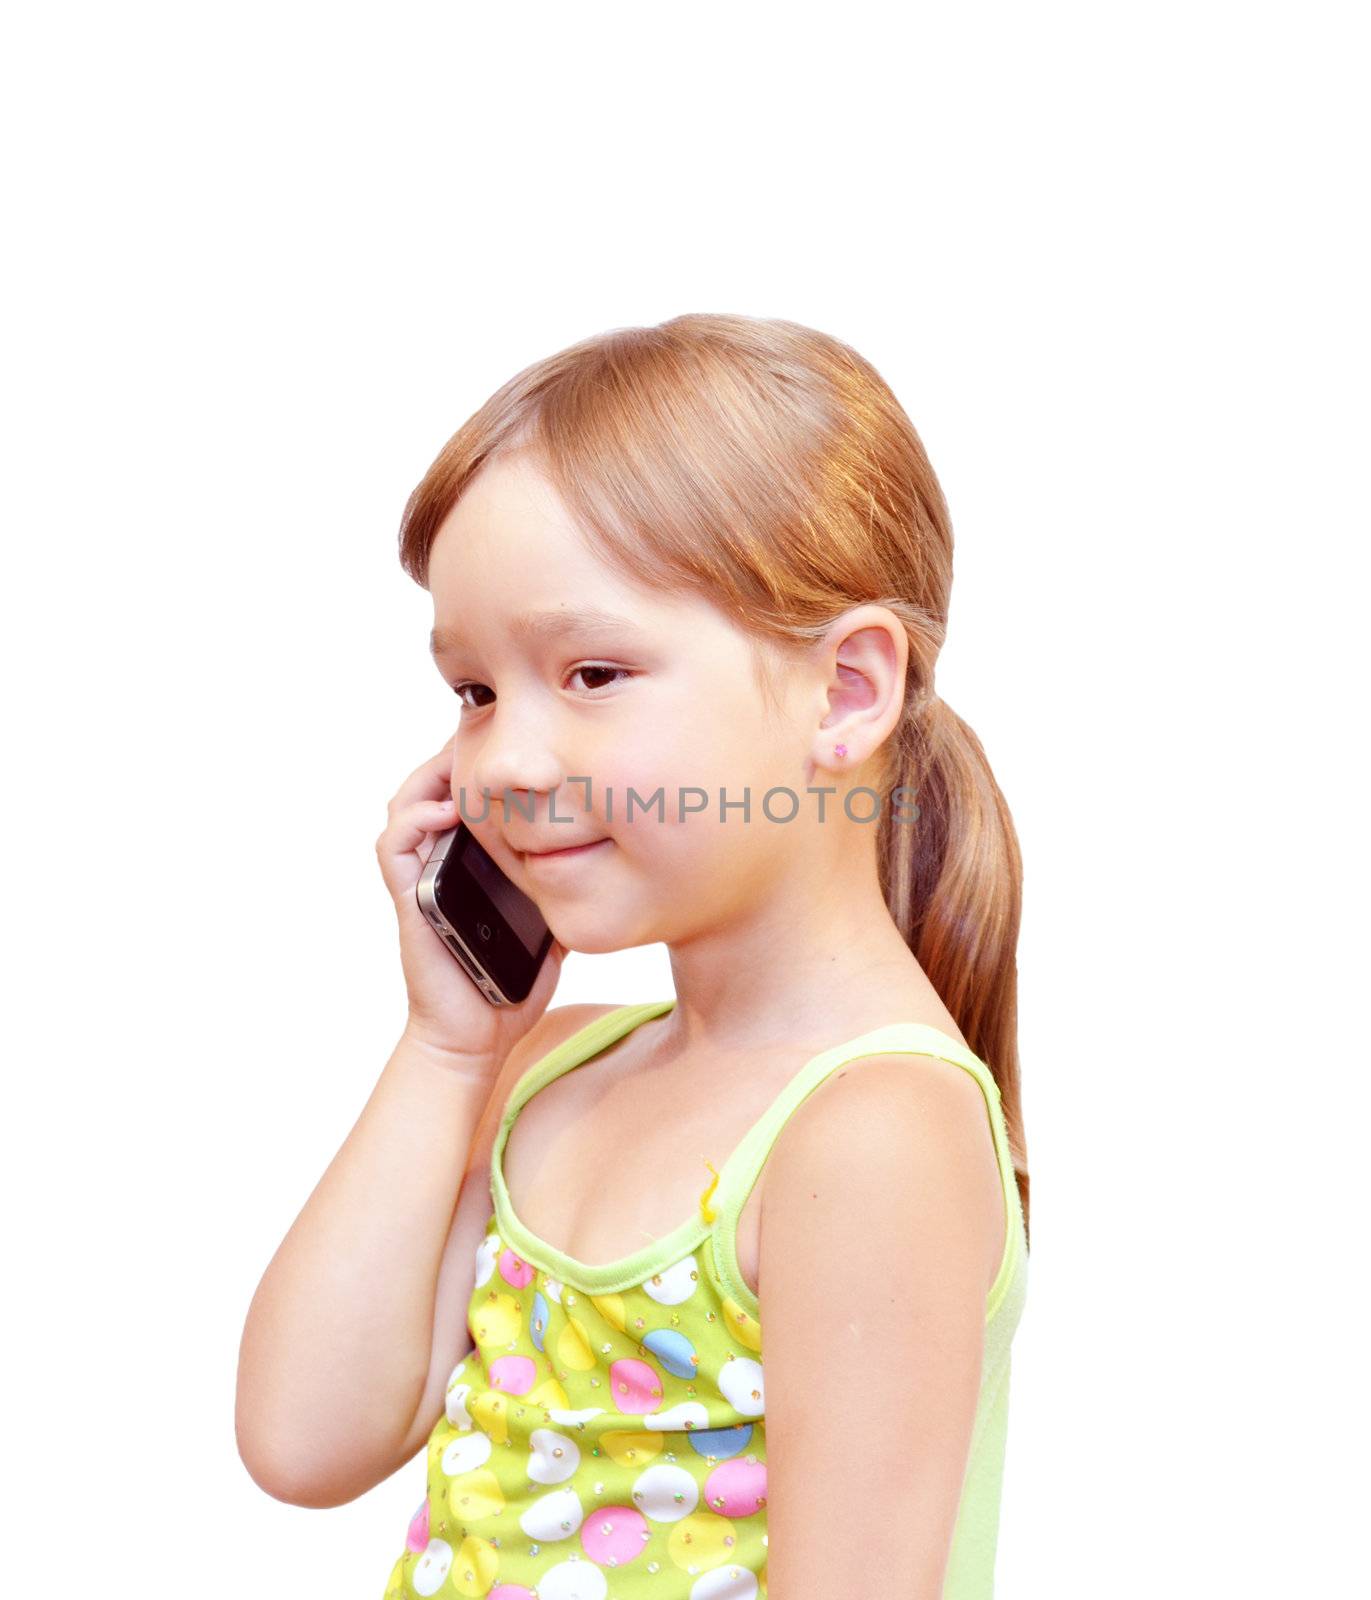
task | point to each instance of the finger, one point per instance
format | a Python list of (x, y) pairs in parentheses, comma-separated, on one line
[(430, 780), (412, 824)]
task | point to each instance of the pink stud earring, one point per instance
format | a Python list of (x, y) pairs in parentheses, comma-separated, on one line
[(839, 749)]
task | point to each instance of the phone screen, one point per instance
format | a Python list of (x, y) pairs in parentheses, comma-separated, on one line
[(513, 904), (492, 929)]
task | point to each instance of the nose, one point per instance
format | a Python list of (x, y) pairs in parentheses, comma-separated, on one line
[(514, 757)]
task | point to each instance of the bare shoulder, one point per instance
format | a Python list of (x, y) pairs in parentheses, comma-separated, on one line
[(906, 1134), (925, 1095)]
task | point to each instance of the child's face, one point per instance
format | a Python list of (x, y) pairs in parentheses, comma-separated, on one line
[(666, 698)]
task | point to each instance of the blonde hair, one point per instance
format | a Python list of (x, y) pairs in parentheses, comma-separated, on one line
[(768, 468)]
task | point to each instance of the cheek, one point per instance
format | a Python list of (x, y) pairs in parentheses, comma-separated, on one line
[(687, 834), (688, 780), (738, 755), (681, 747), (644, 759)]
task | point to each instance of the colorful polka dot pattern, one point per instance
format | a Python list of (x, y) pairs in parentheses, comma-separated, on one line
[(596, 1446)]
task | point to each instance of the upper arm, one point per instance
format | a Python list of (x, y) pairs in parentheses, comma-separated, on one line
[(471, 1213), (879, 1233)]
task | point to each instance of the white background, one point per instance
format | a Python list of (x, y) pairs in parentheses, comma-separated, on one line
[(264, 260)]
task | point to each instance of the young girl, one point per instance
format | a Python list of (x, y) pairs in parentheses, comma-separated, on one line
[(709, 1296)]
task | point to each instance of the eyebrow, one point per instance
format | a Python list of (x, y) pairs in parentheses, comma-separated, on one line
[(539, 625)]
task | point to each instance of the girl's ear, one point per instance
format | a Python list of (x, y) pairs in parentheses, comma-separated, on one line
[(867, 652)]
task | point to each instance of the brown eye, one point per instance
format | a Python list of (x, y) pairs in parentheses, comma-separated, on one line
[(610, 672), (459, 689)]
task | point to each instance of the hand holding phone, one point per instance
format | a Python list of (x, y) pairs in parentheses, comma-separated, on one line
[(447, 1008)]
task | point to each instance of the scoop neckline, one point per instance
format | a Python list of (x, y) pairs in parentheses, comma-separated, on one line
[(583, 1046)]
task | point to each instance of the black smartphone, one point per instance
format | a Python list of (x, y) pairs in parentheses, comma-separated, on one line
[(494, 931)]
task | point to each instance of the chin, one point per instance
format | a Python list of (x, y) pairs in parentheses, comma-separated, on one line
[(590, 936)]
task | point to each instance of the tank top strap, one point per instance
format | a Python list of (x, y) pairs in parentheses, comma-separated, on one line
[(574, 1051), (740, 1172)]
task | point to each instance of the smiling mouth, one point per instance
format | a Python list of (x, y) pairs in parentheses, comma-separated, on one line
[(567, 854)]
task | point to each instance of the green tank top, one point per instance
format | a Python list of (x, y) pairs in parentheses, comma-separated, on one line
[(606, 1437)]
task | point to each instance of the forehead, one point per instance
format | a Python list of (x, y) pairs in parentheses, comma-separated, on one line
[(508, 515), (509, 556)]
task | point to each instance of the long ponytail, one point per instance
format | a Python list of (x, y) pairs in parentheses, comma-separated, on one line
[(952, 881)]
